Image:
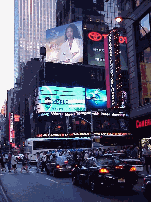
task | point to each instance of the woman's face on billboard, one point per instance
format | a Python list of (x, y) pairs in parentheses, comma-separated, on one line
[(69, 33)]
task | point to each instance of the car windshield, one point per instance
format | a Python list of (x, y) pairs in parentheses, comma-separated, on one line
[(61, 159), (106, 161)]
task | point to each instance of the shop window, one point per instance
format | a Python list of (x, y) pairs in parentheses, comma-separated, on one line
[(144, 25), (145, 73)]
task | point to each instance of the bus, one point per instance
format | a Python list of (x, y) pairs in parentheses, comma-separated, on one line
[(112, 141), (35, 145)]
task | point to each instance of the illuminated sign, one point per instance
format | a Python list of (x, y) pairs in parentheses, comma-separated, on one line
[(58, 48), (111, 71), (143, 123), (16, 118), (95, 36), (10, 127), (60, 99)]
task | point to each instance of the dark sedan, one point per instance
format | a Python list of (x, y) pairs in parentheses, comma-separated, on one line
[(146, 188), (100, 174), (58, 165)]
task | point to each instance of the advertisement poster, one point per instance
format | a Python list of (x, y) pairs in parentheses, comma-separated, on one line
[(96, 53), (64, 44), (96, 99), (60, 99)]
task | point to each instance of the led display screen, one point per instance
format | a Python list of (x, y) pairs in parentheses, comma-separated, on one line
[(96, 99), (96, 53), (60, 99), (123, 56), (64, 44)]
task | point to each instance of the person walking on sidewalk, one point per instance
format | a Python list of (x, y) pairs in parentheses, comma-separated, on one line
[(147, 155), (14, 163), (38, 162), (43, 159), (1, 161), (9, 162), (25, 163), (4, 162)]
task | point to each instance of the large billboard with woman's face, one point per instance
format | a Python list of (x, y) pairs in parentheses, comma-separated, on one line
[(64, 44)]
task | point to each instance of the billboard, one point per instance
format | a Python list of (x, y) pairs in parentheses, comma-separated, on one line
[(64, 44), (60, 99), (96, 99), (96, 53)]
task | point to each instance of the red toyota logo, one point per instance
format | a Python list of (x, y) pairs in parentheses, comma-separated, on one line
[(95, 36)]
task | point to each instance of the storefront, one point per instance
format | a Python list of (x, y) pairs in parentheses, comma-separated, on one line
[(141, 129)]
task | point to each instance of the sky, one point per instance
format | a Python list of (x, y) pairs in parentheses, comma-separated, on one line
[(7, 48)]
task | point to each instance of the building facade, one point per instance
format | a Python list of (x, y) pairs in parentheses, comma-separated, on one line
[(31, 20), (139, 58)]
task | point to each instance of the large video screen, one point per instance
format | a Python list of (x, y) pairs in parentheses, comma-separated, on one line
[(96, 53), (123, 56), (64, 44), (96, 99), (60, 99)]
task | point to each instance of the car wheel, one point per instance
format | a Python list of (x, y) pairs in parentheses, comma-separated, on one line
[(92, 186), (74, 181)]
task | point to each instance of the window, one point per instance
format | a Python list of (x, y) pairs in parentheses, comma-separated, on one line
[(144, 25), (145, 76)]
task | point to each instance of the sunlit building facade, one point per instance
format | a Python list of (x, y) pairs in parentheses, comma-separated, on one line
[(31, 20)]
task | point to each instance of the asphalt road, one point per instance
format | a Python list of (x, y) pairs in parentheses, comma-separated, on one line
[(39, 187)]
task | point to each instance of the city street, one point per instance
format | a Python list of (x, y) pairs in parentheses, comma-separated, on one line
[(39, 187)]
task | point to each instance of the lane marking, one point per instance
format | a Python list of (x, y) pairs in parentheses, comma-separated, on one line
[(4, 193), (51, 180)]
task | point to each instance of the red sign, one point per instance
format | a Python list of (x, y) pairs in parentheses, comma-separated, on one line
[(16, 118), (143, 123), (95, 36)]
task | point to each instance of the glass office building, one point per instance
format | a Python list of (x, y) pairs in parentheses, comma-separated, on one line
[(31, 20)]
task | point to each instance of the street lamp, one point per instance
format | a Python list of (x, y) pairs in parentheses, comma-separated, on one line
[(120, 19)]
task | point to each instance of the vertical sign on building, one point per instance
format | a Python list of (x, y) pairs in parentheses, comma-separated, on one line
[(10, 127), (111, 67)]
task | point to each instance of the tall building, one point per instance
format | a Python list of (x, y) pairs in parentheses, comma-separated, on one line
[(97, 11), (31, 20), (138, 31)]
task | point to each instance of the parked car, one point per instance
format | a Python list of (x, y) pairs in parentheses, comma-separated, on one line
[(102, 173), (58, 165), (146, 188)]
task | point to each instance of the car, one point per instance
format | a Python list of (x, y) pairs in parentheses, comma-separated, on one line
[(19, 157), (146, 188), (131, 161), (137, 163), (99, 174), (58, 165)]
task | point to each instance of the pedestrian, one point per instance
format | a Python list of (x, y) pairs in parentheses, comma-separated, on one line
[(1, 161), (14, 163), (38, 162), (9, 162), (43, 160), (134, 153), (25, 163), (4, 161), (147, 155)]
